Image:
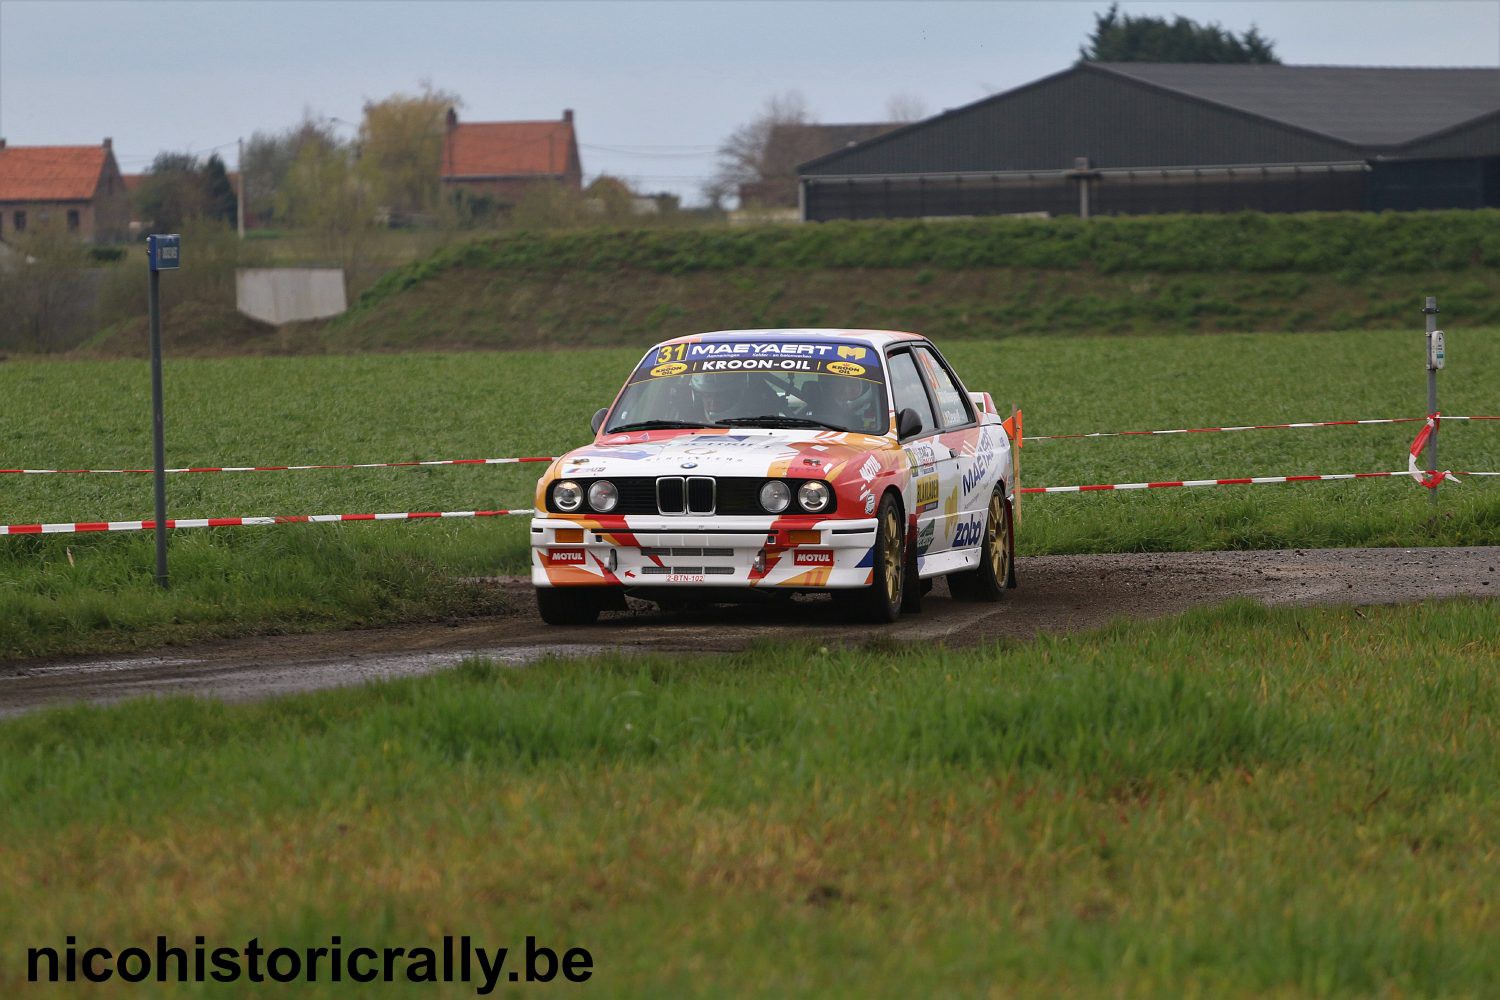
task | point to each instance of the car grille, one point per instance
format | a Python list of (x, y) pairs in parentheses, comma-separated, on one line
[(693, 495)]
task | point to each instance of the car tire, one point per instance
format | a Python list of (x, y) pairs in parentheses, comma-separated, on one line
[(880, 602), (997, 560), (568, 605)]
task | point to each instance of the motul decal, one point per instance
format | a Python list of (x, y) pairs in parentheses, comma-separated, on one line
[(575, 556), (812, 557)]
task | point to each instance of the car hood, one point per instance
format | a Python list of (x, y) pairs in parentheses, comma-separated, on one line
[(740, 451)]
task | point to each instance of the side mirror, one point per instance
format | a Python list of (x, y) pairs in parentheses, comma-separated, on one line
[(598, 420), (908, 424)]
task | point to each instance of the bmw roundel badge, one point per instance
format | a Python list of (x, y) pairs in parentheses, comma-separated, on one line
[(689, 465)]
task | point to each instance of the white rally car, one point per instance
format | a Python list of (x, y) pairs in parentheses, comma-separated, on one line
[(779, 461)]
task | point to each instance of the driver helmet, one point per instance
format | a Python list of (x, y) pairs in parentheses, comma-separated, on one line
[(720, 393)]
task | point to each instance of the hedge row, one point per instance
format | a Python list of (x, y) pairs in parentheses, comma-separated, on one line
[(1344, 242)]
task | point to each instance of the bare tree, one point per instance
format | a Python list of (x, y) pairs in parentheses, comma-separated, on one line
[(905, 107), (744, 157)]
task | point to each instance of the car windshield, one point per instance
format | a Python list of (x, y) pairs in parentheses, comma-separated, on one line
[(821, 384)]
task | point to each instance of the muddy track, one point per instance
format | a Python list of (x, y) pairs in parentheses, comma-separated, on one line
[(1057, 594)]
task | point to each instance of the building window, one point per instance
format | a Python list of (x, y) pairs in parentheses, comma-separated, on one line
[(72, 218), (20, 220)]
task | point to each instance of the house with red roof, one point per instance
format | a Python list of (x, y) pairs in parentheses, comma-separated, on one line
[(79, 187), (502, 160)]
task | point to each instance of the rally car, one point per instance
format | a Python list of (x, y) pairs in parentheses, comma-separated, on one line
[(754, 462)]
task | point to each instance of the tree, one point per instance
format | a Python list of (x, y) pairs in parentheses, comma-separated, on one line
[(1122, 38), (746, 155), (325, 193), (219, 200), (44, 285), (269, 157), (178, 188), (905, 108), (401, 147), (172, 191)]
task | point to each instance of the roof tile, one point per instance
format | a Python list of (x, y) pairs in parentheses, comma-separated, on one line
[(50, 173), (507, 149)]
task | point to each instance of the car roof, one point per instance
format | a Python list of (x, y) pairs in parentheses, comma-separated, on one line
[(873, 338)]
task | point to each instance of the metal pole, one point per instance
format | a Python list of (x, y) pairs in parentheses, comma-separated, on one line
[(158, 441), (1431, 311)]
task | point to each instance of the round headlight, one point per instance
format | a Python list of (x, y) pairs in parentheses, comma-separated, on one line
[(603, 496), (775, 497), (814, 497), (567, 495)]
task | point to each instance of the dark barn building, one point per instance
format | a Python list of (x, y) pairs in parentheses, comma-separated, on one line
[(1140, 138)]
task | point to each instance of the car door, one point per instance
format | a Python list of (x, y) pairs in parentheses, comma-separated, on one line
[(931, 461), (967, 478)]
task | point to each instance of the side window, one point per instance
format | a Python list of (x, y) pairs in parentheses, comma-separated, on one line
[(953, 405), (907, 391)]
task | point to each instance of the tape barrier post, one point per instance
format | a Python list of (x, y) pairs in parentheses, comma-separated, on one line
[(1435, 360), (162, 253)]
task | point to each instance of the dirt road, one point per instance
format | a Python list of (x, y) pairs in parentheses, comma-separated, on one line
[(1057, 594)]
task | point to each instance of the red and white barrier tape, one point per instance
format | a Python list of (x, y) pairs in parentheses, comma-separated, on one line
[(76, 527), (1246, 427), (283, 468), (549, 458), (1427, 479), (1247, 481)]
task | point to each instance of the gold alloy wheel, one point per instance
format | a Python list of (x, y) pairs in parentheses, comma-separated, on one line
[(890, 557), (999, 540)]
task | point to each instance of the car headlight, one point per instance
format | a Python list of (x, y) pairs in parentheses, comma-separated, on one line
[(568, 496), (775, 496), (603, 496), (814, 497)]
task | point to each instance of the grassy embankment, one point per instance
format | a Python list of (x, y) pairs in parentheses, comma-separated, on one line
[(985, 278), (76, 593), (1237, 802)]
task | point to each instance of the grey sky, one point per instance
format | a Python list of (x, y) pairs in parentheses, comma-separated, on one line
[(654, 86)]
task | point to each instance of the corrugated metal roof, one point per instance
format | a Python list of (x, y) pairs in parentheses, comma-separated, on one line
[(50, 173), (1364, 105)]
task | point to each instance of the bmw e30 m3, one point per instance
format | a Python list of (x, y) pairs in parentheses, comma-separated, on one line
[(847, 461)]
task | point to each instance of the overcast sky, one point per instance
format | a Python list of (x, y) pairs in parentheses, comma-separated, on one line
[(654, 86)]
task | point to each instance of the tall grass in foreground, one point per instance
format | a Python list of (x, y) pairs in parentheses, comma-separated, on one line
[(88, 592), (1235, 802)]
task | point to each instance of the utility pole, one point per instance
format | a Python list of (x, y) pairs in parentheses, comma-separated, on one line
[(239, 203)]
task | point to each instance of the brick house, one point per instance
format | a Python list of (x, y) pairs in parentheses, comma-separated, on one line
[(499, 161), (79, 187)]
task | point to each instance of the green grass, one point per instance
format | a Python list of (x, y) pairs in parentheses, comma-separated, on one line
[(85, 592), (1234, 802)]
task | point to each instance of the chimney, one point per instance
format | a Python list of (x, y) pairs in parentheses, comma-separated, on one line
[(452, 117), (108, 144), (568, 115), (2, 143)]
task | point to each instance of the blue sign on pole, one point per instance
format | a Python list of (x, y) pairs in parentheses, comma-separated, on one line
[(163, 252)]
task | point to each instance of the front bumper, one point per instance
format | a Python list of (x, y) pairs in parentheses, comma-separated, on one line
[(656, 551)]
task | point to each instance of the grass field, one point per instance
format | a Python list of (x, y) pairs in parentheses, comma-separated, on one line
[(90, 592), (1236, 802)]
